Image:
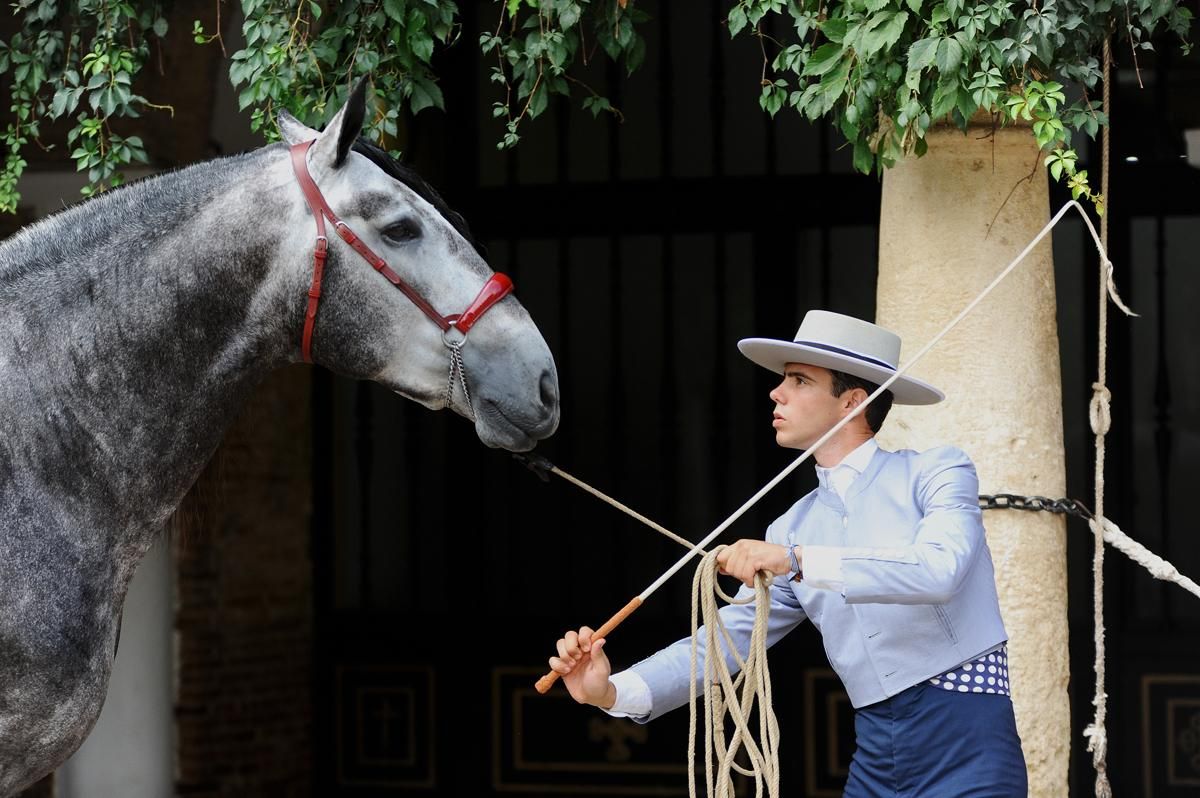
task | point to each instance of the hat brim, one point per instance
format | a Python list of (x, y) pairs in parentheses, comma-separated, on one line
[(773, 354)]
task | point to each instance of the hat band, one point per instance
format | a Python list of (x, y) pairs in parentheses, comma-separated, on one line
[(838, 350)]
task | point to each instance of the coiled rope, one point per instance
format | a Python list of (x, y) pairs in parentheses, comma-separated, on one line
[(726, 695)]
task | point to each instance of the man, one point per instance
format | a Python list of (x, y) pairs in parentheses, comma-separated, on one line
[(887, 557)]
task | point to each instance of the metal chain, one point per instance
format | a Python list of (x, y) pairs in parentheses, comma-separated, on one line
[(1012, 501), (457, 367)]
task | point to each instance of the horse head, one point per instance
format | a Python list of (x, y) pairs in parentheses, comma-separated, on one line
[(497, 372)]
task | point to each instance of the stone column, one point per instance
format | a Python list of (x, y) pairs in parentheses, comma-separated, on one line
[(946, 230)]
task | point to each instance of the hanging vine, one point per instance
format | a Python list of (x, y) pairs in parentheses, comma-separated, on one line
[(883, 71), (77, 61)]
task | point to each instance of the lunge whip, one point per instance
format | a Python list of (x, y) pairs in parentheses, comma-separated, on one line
[(543, 467)]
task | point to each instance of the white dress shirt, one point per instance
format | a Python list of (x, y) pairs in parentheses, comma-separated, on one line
[(822, 565)]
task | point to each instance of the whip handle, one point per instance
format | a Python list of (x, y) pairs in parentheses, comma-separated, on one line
[(547, 681)]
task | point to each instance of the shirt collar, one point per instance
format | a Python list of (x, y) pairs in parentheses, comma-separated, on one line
[(857, 461), (860, 458)]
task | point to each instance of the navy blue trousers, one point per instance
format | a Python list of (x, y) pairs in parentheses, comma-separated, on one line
[(927, 742)]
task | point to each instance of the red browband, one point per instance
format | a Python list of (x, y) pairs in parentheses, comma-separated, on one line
[(496, 288)]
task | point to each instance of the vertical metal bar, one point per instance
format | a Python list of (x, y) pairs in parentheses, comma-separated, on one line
[(324, 562), (717, 77), (1162, 404), (719, 477), (668, 438), (616, 455), (364, 454), (826, 267), (1162, 381), (616, 96), (665, 92)]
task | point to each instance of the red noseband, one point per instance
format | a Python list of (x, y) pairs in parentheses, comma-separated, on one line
[(496, 288)]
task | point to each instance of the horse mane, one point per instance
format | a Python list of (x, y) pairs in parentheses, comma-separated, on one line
[(406, 175), (144, 206), (152, 203)]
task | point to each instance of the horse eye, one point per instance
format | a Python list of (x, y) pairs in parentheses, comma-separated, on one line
[(402, 231)]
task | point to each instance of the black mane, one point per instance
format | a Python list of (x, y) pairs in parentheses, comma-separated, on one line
[(410, 178)]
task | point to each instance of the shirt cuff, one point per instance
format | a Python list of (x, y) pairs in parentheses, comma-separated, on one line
[(822, 568), (633, 696)]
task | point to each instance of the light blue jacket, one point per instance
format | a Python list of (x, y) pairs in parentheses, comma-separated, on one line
[(919, 595)]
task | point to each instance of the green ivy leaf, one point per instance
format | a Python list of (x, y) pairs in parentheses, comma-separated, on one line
[(538, 100), (922, 54), (834, 29), (833, 83), (949, 55), (824, 59), (881, 32), (736, 20), (864, 159)]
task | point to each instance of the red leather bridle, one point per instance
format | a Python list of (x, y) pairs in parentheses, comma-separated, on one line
[(496, 288)]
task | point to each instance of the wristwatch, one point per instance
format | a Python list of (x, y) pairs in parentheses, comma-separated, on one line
[(794, 572)]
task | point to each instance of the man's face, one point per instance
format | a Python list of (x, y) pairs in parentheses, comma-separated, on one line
[(805, 407)]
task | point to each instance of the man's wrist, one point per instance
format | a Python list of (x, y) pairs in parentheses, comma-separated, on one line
[(609, 698)]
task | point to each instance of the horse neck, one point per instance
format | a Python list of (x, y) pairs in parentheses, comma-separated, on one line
[(134, 327)]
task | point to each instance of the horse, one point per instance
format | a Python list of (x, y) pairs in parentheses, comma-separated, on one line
[(134, 325)]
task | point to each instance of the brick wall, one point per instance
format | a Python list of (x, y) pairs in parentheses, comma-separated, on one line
[(244, 606)]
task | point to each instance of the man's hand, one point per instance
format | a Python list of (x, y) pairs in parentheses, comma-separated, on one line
[(747, 557), (585, 669)]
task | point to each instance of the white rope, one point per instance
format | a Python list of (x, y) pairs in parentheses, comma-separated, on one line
[(1100, 416), (721, 691), (1157, 566)]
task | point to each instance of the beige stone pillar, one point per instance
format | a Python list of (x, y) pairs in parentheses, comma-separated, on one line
[(938, 248)]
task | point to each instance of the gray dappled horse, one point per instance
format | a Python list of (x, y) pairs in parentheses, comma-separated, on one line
[(132, 329)]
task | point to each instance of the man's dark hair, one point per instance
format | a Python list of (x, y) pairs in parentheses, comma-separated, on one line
[(877, 411)]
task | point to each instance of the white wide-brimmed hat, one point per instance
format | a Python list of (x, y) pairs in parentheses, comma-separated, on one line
[(843, 343)]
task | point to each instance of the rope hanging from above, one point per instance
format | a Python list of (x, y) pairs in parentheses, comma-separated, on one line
[(1101, 417)]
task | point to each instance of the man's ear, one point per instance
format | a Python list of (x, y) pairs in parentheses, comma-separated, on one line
[(334, 143), (854, 397)]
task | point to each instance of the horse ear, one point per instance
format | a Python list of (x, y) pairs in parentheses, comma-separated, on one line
[(293, 130), (330, 150), (353, 113)]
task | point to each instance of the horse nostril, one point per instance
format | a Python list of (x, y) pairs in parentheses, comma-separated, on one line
[(549, 389)]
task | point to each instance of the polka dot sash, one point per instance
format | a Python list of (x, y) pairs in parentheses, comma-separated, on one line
[(984, 674)]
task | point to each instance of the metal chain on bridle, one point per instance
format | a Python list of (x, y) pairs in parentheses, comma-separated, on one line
[(457, 367)]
